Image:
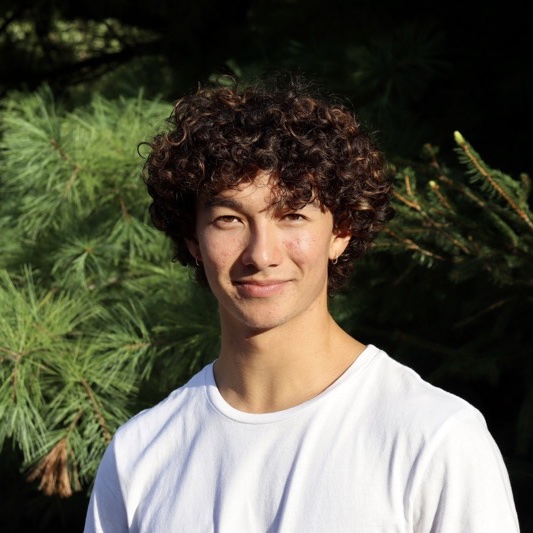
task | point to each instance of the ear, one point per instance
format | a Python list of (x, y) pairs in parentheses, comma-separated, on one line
[(339, 242), (194, 248)]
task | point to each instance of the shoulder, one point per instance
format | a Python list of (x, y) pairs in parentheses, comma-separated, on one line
[(406, 396), (441, 444), (143, 428), (139, 448)]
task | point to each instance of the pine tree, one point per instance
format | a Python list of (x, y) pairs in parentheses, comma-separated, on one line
[(91, 304), (476, 222)]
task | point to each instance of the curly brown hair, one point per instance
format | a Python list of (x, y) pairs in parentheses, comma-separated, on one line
[(314, 146)]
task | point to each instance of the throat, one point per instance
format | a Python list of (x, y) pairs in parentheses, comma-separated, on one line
[(276, 381)]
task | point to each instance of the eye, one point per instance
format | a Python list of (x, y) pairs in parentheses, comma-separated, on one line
[(294, 217), (226, 220)]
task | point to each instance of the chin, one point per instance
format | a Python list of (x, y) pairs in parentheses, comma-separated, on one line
[(260, 322)]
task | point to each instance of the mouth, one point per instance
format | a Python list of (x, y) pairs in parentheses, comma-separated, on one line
[(259, 289)]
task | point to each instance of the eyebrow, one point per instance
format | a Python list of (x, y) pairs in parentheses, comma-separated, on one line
[(218, 201), (236, 205)]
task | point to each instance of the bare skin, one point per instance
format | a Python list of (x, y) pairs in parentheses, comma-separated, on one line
[(268, 270)]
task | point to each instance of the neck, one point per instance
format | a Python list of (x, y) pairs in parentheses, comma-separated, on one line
[(282, 367)]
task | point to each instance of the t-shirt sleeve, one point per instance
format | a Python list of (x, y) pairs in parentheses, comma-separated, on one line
[(462, 483), (107, 511)]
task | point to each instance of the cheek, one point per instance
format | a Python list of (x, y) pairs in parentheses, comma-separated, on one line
[(219, 254), (306, 248)]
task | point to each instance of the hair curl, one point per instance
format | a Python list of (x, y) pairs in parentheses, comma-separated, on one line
[(224, 134)]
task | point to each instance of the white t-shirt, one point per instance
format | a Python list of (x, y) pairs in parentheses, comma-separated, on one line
[(380, 450)]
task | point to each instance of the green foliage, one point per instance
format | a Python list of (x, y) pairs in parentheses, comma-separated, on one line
[(479, 221), (88, 312)]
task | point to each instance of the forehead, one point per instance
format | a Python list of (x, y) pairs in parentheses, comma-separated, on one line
[(263, 187), (264, 190)]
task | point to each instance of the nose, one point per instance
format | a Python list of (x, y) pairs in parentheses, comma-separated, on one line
[(263, 247)]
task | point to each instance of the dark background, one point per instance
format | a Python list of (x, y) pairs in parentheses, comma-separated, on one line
[(429, 69)]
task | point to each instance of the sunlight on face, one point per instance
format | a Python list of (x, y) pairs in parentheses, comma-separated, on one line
[(266, 264)]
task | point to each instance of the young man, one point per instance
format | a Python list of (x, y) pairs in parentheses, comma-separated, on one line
[(272, 195)]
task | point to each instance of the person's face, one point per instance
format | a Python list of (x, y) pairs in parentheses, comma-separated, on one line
[(266, 265)]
